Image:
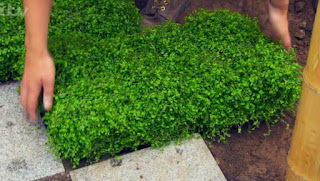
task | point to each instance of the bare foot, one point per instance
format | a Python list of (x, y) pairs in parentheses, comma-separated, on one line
[(278, 16)]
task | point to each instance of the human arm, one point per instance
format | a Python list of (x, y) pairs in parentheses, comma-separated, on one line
[(278, 16), (39, 71)]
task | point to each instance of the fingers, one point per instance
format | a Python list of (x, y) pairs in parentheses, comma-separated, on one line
[(48, 86), (32, 102), (287, 42), (23, 96), (48, 95), (30, 92)]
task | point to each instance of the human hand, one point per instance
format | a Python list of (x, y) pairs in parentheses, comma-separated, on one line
[(278, 16), (39, 72)]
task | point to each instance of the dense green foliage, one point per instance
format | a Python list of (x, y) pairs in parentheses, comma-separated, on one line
[(11, 39), (216, 72), (97, 18)]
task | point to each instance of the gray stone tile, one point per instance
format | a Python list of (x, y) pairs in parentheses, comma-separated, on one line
[(191, 161), (23, 154)]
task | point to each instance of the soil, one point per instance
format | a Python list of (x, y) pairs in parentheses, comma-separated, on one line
[(253, 156)]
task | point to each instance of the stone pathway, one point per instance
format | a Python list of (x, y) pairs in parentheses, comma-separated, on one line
[(191, 161), (23, 154)]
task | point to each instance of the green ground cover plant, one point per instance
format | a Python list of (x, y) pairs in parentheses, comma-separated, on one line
[(97, 18), (11, 40), (216, 72)]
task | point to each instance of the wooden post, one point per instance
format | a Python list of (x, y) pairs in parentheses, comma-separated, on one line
[(304, 154)]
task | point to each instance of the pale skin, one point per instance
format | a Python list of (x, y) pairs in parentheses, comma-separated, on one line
[(39, 71)]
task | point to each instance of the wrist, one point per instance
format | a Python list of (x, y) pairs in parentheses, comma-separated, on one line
[(36, 43), (36, 53), (282, 5)]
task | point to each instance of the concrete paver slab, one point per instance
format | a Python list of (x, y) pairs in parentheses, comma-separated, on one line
[(23, 154), (191, 161)]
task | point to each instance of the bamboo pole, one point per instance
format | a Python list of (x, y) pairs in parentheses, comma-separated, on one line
[(304, 155)]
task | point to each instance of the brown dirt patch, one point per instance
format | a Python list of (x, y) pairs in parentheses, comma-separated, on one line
[(253, 156)]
